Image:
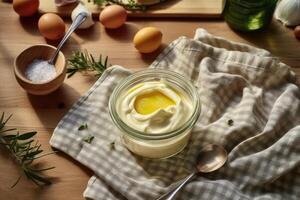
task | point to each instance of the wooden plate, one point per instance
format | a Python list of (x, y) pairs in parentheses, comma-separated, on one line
[(170, 8)]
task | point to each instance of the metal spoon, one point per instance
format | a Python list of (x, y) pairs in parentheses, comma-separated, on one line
[(210, 158), (80, 18)]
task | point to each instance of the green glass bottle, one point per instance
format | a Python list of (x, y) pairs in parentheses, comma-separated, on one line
[(249, 15)]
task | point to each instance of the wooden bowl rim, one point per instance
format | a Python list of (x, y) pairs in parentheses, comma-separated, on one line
[(24, 79)]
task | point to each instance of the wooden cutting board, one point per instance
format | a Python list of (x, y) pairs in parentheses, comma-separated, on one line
[(171, 8)]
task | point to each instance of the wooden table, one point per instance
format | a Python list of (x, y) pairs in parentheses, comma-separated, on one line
[(42, 113)]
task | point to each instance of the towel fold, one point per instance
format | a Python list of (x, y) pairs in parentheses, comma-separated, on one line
[(236, 82)]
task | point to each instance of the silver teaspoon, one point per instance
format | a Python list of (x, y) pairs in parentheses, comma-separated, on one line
[(210, 158), (80, 18)]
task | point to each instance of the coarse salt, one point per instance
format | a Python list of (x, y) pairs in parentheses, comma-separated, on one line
[(40, 71)]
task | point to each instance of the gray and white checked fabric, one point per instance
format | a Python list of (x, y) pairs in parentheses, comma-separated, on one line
[(235, 82)]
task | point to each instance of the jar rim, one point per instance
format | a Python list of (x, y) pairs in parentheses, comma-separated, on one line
[(155, 73)]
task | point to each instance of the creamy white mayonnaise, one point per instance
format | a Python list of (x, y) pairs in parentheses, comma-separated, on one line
[(161, 120)]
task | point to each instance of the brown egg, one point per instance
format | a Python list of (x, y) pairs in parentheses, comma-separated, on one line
[(26, 8), (113, 16), (297, 32), (147, 39), (51, 26)]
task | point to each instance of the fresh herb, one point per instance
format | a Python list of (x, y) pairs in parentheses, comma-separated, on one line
[(131, 5), (88, 139), (112, 145), (84, 61), (230, 122), (24, 150), (83, 127)]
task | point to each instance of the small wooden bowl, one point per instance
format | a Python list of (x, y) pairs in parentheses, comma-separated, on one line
[(40, 51)]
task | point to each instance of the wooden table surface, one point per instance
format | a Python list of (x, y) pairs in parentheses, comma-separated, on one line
[(42, 113)]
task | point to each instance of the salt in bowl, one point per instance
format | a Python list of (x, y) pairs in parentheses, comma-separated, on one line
[(44, 52)]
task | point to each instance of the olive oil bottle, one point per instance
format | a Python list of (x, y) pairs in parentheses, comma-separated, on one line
[(249, 15)]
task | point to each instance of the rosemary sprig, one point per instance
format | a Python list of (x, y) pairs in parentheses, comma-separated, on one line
[(24, 150), (84, 61), (131, 5)]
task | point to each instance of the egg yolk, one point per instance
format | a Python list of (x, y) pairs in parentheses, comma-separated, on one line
[(148, 103)]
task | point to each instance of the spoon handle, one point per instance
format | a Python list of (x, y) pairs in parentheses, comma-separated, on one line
[(77, 22), (170, 195)]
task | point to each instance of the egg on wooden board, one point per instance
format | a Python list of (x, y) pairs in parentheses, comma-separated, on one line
[(147, 39), (26, 8), (51, 26), (113, 16)]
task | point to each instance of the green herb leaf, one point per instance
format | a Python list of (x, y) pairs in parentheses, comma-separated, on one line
[(112, 145), (17, 181), (24, 151), (26, 136), (131, 5), (40, 156), (34, 153), (43, 169), (2, 121), (88, 139), (24, 144), (9, 137), (84, 61), (37, 178), (7, 130), (71, 72), (230, 122), (83, 127)]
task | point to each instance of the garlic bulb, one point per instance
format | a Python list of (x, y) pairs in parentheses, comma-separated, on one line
[(288, 12), (79, 9)]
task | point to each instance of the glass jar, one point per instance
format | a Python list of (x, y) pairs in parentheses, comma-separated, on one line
[(158, 145), (249, 15)]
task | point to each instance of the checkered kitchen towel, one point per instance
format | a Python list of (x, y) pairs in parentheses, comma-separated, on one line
[(237, 83)]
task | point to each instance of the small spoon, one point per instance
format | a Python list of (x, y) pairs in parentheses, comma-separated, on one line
[(80, 18), (210, 158)]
